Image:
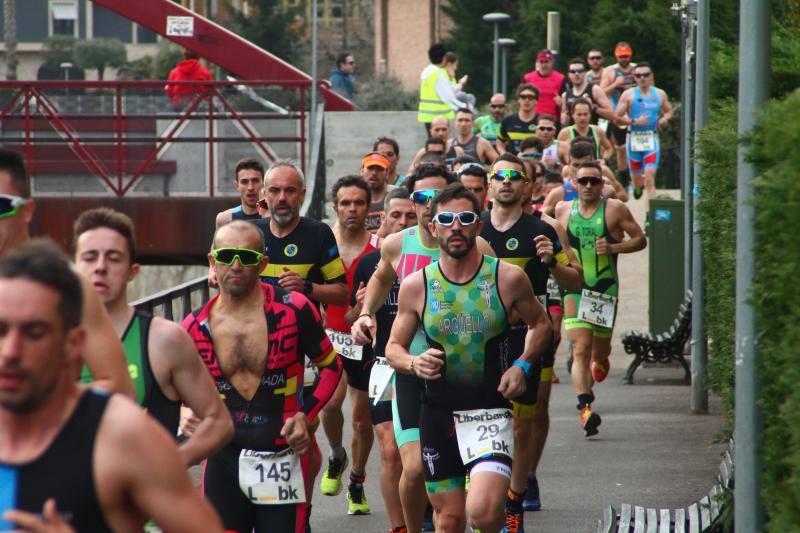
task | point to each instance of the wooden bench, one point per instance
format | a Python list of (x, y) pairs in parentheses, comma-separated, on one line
[(696, 518), (663, 348)]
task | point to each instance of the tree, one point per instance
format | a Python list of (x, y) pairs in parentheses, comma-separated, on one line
[(99, 54), (10, 30), (269, 26), (58, 49)]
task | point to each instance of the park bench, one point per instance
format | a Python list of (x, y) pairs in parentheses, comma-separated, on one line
[(696, 518), (663, 348)]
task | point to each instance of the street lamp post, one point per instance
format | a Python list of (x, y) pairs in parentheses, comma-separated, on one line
[(506, 44), (496, 19)]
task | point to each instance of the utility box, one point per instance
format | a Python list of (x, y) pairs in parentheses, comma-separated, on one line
[(665, 236)]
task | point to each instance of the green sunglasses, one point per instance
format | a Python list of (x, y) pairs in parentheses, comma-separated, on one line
[(246, 256), (508, 174), (9, 205)]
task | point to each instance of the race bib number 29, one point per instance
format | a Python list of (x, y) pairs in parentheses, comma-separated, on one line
[(271, 478), (484, 431)]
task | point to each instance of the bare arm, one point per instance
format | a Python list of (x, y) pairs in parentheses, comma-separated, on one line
[(602, 103), (500, 146), (622, 109), (552, 199), (666, 109), (567, 271), (103, 352), (484, 247), (606, 150), (329, 293), (564, 111), (191, 384), (415, 162), (378, 288), (405, 324), (223, 217), (636, 237), (486, 152), (619, 190), (563, 145), (139, 473)]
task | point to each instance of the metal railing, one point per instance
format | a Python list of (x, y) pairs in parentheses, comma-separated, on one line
[(182, 294)]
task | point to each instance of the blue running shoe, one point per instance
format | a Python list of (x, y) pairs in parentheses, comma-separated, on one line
[(427, 524), (532, 501)]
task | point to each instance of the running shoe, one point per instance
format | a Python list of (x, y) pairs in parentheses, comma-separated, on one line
[(514, 520), (531, 502), (637, 192), (589, 421), (600, 370), (399, 529), (331, 483), (555, 378), (357, 500)]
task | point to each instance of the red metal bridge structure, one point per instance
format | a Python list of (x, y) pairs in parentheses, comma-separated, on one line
[(120, 143)]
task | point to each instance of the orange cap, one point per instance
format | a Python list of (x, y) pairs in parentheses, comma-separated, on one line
[(623, 50), (375, 159)]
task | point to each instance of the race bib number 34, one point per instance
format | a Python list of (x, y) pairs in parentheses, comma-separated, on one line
[(271, 478), (597, 308), (643, 141), (344, 345), (484, 431)]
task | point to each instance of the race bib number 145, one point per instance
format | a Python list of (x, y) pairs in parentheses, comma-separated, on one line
[(271, 478)]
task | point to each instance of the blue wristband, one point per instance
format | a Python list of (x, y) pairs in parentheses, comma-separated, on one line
[(524, 365)]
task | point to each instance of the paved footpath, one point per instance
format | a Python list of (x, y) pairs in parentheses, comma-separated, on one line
[(650, 451)]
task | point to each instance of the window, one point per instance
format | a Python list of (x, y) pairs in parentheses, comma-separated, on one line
[(64, 17)]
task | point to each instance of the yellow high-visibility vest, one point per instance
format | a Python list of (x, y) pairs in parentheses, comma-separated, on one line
[(430, 105)]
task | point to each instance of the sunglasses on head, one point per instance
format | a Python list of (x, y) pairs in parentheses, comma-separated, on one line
[(642, 74), (589, 180), (447, 218), (527, 97), (576, 71), (509, 174), (423, 196), (246, 256), (9, 205)]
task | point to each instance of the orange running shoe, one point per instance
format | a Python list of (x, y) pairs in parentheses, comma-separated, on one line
[(600, 370), (590, 421)]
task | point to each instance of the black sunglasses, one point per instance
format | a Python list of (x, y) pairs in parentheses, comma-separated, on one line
[(576, 71), (497, 106), (591, 58), (642, 74), (590, 181)]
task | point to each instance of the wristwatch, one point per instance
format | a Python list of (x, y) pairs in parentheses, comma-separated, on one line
[(308, 287), (551, 263)]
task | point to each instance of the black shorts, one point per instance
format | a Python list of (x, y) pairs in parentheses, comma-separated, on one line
[(380, 413), (357, 372), (441, 458), (221, 487), (406, 405), (619, 135)]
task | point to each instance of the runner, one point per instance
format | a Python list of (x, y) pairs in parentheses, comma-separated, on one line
[(472, 144), (645, 108), (374, 169), (103, 352), (582, 127), (488, 126), (400, 211), (351, 198), (401, 255), (71, 458), (467, 370), (162, 359), (595, 60), (597, 229), (440, 130), (525, 240), (548, 81), (473, 176), (391, 151), (249, 179), (616, 79), (256, 354), (546, 132), (579, 87), (519, 126)]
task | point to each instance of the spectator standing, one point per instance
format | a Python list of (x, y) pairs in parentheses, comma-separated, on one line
[(550, 83), (436, 95), (189, 69), (342, 76)]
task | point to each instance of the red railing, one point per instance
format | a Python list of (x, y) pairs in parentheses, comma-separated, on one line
[(32, 107)]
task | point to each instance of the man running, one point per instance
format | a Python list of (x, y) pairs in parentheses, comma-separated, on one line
[(162, 359), (579, 86), (595, 60), (249, 179), (374, 169), (473, 176), (391, 151), (253, 337), (402, 254), (520, 125), (582, 127), (546, 132), (399, 212), (473, 145), (548, 81), (468, 372), (488, 126), (645, 108), (351, 198), (72, 458), (527, 241), (616, 79), (440, 130), (597, 228), (103, 352)]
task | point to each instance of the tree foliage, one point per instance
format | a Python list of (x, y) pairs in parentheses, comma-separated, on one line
[(100, 53), (269, 26)]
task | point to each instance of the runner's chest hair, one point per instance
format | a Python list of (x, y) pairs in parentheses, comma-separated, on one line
[(241, 347)]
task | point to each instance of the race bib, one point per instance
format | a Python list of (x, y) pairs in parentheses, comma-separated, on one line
[(552, 289), (602, 124), (597, 308), (542, 299), (310, 373), (643, 141), (380, 381), (344, 345), (484, 431), (271, 478)]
